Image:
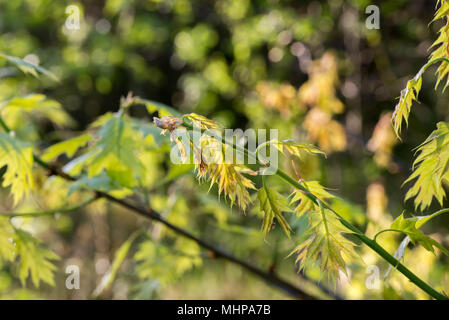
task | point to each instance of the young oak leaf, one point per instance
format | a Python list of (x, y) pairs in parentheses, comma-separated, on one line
[(325, 245), (272, 203), (409, 226), (291, 146), (40, 106), (305, 203), (411, 92), (419, 221), (7, 248), (18, 157), (34, 260), (115, 152), (28, 67), (69, 147), (430, 168), (403, 107), (201, 121), (443, 44)]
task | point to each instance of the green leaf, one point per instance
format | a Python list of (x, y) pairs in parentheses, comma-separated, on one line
[(305, 203), (430, 168), (27, 67), (162, 109), (409, 227), (18, 157), (150, 129), (293, 147), (325, 245), (442, 11), (34, 260), (101, 182), (424, 219), (272, 203), (69, 147), (39, 105), (419, 222), (115, 152), (402, 109), (119, 257), (7, 248)]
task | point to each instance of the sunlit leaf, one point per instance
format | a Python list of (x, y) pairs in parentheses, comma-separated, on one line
[(293, 147), (28, 67), (325, 245), (34, 260), (69, 147), (39, 105), (18, 157), (430, 168), (7, 247), (272, 203), (115, 152), (403, 107), (305, 203), (409, 227)]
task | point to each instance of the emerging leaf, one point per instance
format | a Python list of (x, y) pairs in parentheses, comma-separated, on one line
[(34, 260), (114, 152), (291, 146), (430, 168), (38, 105), (18, 157), (7, 247), (272, 203), (201, 122), (69, 147), (28, 67), (402, 109), (443, 44), (326, 244), (409, 227), (305, 203)]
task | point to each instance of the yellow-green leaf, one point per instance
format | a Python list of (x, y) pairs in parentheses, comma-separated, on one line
[(39, 105), (7, 248), (325, 245), (305, 203), (430, 168), (293, 147), (409, 227), (115, 152), (272, 203), (18, 157), (402, 109), (69, 147), (34, 260)]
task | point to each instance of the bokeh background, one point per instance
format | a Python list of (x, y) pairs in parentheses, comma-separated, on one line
[(308, 68)]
